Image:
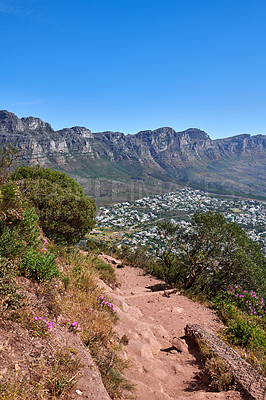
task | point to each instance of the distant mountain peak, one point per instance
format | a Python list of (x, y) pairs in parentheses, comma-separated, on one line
[(34, 123), (196, 133), (10, 123), (154, 157)]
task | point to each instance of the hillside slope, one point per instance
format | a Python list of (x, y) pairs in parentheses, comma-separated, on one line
[(112, 166)]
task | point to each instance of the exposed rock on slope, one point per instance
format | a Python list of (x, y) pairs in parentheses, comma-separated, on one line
[(109, 163)]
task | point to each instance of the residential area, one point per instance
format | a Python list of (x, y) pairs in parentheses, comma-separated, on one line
[(134, 223)]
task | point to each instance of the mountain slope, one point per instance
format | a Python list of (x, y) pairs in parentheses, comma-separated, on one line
[(112, 166)]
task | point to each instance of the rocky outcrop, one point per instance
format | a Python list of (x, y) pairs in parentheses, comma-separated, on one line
[(164, 155), (245, 375)]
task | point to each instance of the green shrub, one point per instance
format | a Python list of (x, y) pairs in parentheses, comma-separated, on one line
[(211, 256), (243, 332), (246, 301), (65, 212), (40, 267), (243, 329), (18, 223), (107, 273), (10, 298)]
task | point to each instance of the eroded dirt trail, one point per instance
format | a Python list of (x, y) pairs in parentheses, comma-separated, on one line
[(151, 320)]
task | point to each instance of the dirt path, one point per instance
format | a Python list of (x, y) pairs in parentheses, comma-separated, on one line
[(151, 320)]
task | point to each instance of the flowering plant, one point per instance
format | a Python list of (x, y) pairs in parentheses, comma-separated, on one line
[(73, 326), (248, 301), (44, 324), (104, 302)]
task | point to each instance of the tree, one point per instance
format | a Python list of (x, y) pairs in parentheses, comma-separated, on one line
[(214, 254), (65, 212), (7, 158), (170, 239)]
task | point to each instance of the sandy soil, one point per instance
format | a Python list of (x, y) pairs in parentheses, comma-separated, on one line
[(151, 320)]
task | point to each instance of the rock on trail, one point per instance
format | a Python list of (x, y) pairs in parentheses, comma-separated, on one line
[(162, 366)]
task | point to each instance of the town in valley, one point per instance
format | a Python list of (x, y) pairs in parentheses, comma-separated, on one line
[(134, 223)]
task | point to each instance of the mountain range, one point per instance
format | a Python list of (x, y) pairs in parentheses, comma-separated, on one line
[(113, 166)]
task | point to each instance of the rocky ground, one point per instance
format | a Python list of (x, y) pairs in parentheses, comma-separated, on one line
[(163, 365), (153, 320)]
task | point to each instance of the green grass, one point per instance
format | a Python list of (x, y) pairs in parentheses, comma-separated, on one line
[(106, 271)]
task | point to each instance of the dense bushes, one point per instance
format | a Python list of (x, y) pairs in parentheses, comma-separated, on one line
[(65, 212), (211, 255), (40, 267)]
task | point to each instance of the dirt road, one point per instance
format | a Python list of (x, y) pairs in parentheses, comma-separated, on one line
[(151, 319)]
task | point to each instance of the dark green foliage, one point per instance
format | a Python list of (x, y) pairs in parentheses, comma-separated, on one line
[(211, 256), (18, 223), (169, 268), (10, 299), (243, 329), (66, 214), (40, 267), (227, 251), (243, 332)]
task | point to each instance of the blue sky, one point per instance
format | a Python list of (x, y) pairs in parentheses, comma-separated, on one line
[(131, 65)]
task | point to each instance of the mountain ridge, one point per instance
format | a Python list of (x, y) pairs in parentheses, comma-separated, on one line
[(155, 158)]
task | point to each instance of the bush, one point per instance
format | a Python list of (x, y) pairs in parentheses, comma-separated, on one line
[(65, 213), (107, 272), (244, 332), (211, 255), (10, 299), (40, 267), (243, 329), (18, 223), (249, 302)]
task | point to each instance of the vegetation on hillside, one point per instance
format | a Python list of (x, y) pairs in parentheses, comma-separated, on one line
[(215, 262), (210, 256), (46, 288), (65, 212)]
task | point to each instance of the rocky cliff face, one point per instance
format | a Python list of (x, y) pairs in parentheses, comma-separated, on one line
[(163, 155)]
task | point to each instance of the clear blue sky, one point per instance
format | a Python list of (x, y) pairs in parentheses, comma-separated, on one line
[(131, 65)]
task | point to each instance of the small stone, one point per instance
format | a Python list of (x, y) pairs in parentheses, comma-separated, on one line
[(17, 367), (179, 344)]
